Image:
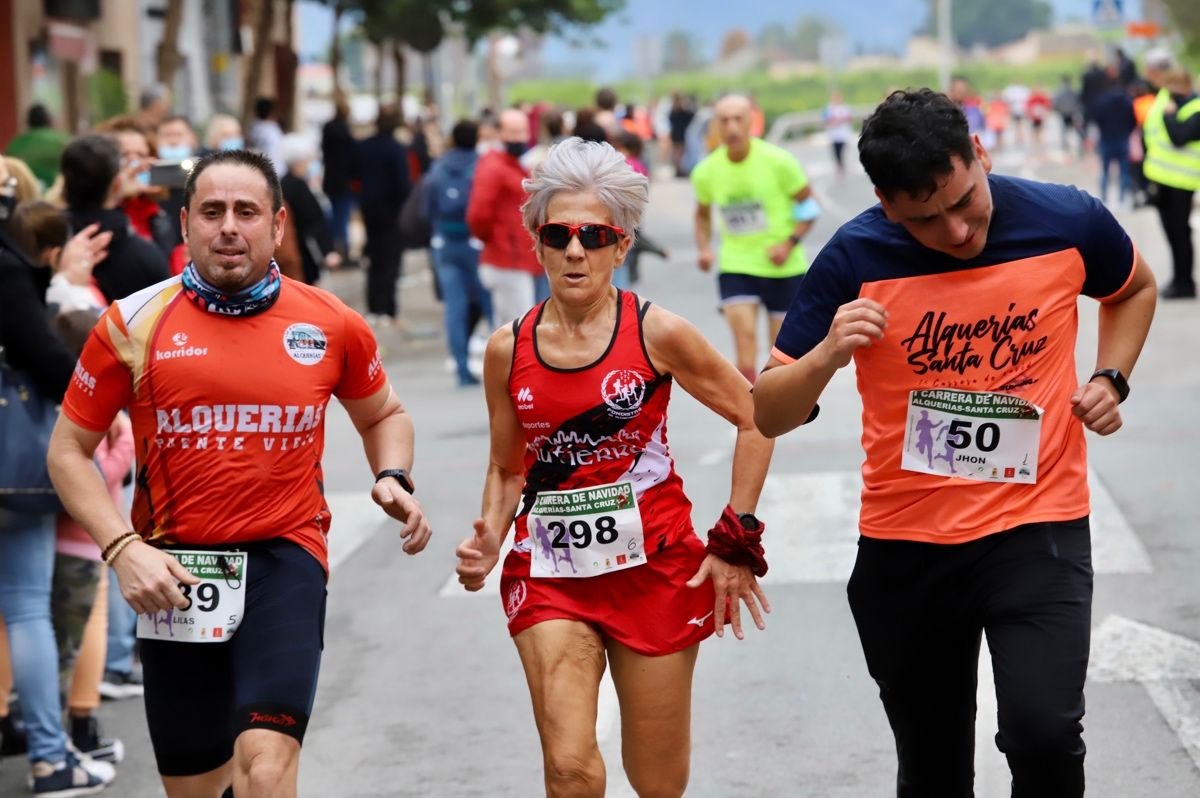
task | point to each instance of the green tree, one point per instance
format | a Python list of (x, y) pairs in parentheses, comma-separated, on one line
[(1185, 16), (481, 17), (990, 23), (774, 38)]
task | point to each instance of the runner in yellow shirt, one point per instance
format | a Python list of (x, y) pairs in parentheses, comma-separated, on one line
[(766, 209)]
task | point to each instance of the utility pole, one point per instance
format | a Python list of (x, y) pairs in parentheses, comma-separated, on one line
[(945, 44)]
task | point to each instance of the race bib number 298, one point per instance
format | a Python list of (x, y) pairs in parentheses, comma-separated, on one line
[(215, 606)]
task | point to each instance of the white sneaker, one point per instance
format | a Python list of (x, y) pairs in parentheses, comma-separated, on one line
[(477, 345)]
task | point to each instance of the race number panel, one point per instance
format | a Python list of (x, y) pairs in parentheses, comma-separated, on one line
[(743, 218), (585, 532), (215, 606), (993, 437)]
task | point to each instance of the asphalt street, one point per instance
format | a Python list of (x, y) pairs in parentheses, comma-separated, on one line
[(421, 690)]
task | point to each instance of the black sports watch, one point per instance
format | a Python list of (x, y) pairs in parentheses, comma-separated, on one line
[(748, 521), (1117, 379), (400, 475), (794, 239)]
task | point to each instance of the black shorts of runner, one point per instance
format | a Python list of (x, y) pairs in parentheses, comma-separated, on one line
[(201, 696), (774, 293)]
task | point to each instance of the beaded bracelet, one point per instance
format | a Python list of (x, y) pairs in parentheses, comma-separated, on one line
[(109, 555)]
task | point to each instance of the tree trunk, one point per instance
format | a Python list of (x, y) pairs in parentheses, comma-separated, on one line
[(263, 22), (379, 59), (401, 71), (168, 60), (285, 101), (335, 48), (495, 90)]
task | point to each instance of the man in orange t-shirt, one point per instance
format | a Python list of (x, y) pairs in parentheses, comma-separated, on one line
[(956, 298), (226, 371)]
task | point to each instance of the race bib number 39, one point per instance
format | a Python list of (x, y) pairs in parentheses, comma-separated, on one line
[(585, 532), (215, 605), (993, 437)]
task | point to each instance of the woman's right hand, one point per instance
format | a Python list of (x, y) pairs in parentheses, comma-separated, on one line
[(81, 254), (477, 556)]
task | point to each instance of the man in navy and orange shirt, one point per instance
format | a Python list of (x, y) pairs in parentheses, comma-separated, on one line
[(227, 371), (956, 298)]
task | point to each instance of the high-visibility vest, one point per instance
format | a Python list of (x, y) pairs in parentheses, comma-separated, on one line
[(1166, 164)]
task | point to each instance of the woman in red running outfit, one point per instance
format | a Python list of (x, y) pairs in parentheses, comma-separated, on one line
[(606, 567)]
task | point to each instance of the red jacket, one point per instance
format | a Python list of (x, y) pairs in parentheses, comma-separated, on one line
[(494, 215)]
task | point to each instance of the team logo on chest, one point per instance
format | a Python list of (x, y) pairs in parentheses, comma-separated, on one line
[(623, 391), (305, 344)]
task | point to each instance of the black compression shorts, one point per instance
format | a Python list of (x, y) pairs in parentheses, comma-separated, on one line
[(201, 696)]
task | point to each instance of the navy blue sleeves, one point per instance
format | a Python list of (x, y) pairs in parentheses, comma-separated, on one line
[(829, 284), (1107, 251)]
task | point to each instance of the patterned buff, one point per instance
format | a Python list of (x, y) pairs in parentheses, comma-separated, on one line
[(247, 302)]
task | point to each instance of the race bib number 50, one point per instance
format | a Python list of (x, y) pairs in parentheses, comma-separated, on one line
[(992, 437), (215, 605), (585, 532)]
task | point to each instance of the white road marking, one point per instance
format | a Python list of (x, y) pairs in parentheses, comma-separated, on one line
[(812, 528), (355, 520), (1165, 663), (720, 454)]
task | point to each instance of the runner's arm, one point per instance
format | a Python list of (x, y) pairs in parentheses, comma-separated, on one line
[(148, 576), (506, 468), (703, 235), (1124, 323), (802, 228), (386, 430), (677, 348), (786, 393)]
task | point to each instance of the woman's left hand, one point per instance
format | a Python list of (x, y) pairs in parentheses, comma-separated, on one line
[(732, 583)]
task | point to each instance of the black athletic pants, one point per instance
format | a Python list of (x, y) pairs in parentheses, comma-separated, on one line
[(921, 609), (1175, 211), (384, 248)]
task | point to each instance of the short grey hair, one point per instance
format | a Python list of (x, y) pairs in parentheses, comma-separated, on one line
[(574, 165), (1161, 59)]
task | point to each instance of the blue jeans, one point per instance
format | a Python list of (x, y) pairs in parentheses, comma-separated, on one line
[(1115, 151), (457, 265), (340, 206), (26, 572), (122, 620)]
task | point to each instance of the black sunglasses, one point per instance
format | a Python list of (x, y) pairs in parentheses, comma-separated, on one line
[(592, 235)]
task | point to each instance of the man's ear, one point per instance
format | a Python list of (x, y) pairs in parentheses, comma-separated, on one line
[(183, 224), (280, 221), (981, 153), (888, 210)]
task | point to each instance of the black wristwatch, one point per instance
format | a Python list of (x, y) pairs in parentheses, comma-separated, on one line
[(749, 521), (1117, 379), (795, 239), (400, 475)]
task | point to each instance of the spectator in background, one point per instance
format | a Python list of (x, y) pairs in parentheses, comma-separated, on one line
[(305, 216), (445, 196), (606, 112), (1112, 113), (1037, 108), (224, 133), (154, 104), (40, 146), (508, 265), (631, 146), (27, 539), (28, 187), (384, 185), (1091, 86), (962, 93), (177, 142), (93, 186), (679, 118), (139, 199), (1069, 107), (265, 134), (839, 127), (1016, 95), (337, 154)]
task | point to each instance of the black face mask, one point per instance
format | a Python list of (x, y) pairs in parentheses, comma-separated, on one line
[(7, 206), (516, 148)]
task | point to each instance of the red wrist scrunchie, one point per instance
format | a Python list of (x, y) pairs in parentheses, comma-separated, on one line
[(738, 546)]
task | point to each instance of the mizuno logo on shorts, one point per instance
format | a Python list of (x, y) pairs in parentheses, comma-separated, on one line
[(700, 621)]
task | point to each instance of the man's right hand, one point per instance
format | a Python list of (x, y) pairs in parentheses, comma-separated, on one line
[(706, 259), (855, 325), (150, 578)]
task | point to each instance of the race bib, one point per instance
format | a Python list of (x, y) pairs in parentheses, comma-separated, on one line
[(585, 532), (992, 437), (742, 218), (215, 605)]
